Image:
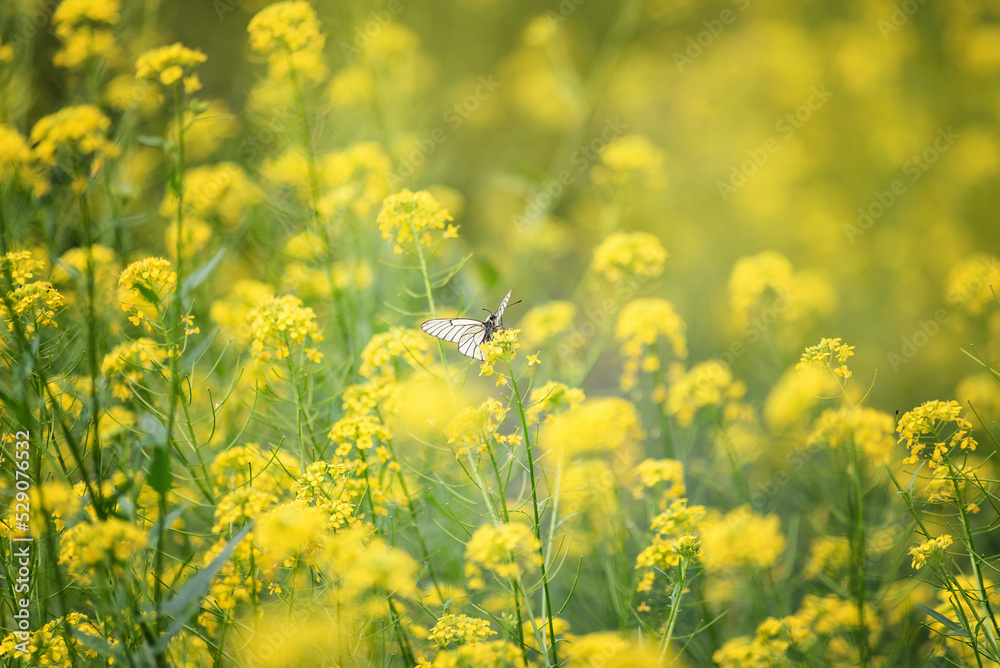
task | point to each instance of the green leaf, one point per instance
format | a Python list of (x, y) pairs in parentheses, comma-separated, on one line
[(188, 599), (198, 276), (954, 626), (160, 478)]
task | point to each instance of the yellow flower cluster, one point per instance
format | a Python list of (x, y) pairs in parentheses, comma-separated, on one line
[(83, 27), (828, 556), (17, 161), (866, 429), (468, 630), (334, 489), (112, 542), (79, 130), (49, 647), (287, 31), (707, 383), (610, 649), (232, 312), (358, 431), (629, 257), (488, 654), (678, 520), (220, 192), (35, 305), (947, 484), (502, 347), (169, 64), (6, 53), (768, 647), (242, 465), (549, 398), (51, 504), (767, 274), (641, 324), (287, 531), (410, 217), (143, 286), (543, 324), (381, 357), (630, 159), (18, 266), (505, 550), (929, 549), (741, 539), (652, 473), (126, 364), (472, 428), (822, 355), (363, 562), (280, 324), (594, 427), (923, 431), (357, 180)]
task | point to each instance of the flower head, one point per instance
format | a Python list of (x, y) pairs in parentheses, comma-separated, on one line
[(169, 64), (929, 549), (933, 430), (280, 324), (502, 347), (641, 324), (468, 630), (505, 550), (73, 133), (411, 217), (630, 159), (629, 256), (288, 33), (83, 26), (143, 286), (822, 356)]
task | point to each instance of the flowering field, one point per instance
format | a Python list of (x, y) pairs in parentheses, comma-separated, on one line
[(744, 414)]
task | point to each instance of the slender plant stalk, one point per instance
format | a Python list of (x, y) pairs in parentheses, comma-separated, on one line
[(553, 655)]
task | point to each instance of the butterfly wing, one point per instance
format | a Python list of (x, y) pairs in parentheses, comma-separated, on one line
[(470, 341), (503, 305), (450, 329)]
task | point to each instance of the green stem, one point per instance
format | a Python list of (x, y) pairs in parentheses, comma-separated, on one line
[(859, 550), (675, 605), (553, 652)]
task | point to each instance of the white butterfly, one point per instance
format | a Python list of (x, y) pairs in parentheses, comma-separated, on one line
[(466, 332)]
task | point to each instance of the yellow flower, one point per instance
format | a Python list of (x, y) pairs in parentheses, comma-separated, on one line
[(741, 539), (502, 347), (593, 428), (468, 630), (767, 274), (111, 543), (144, 286), (641, 324), (549, 398), (287, 531), (678, 520), (222, 191), (82, 27), (474, 427), (822, 356), (288, 33), (505, 550), (278, 325), (929, 549), (231, 314), (169, 64), (708, 383), (380, 357), (866, 429), (78, 130), (924, 432), (409, 217), (35, 305), (17, 160), (126, 364), (630, 159), (652, 472), (48, 644), (542, 324), (629, 257)]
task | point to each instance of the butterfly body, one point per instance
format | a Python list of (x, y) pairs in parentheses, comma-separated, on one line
[(469, 334)]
